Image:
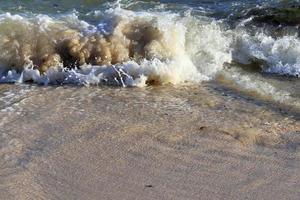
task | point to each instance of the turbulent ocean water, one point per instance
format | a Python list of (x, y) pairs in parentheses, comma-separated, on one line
[(251, 46), (192, 99)]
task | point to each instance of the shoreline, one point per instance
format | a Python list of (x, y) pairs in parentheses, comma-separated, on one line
[(165, 142)]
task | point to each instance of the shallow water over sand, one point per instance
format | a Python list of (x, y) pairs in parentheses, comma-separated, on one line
[(165, 142)]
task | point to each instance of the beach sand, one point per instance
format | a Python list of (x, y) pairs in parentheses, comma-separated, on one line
[(162, 142)]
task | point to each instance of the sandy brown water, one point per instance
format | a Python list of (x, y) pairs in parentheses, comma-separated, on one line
[(163, 142)]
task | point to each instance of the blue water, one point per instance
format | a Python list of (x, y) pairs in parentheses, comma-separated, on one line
[(221, 7)]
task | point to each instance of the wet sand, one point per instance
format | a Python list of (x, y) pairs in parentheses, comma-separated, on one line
[(185, 142)]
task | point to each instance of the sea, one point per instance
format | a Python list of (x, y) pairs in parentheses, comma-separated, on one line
[(131, 99)]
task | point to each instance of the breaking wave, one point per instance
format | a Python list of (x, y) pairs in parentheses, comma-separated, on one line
[(273, 55), (138, 48), (125, 48)]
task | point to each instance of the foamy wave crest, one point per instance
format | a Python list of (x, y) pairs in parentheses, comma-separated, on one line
[(274, 55), (126, 48)]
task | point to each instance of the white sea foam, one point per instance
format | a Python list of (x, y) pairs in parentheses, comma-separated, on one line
[(129, 48), (176, 49), (275, 55)]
